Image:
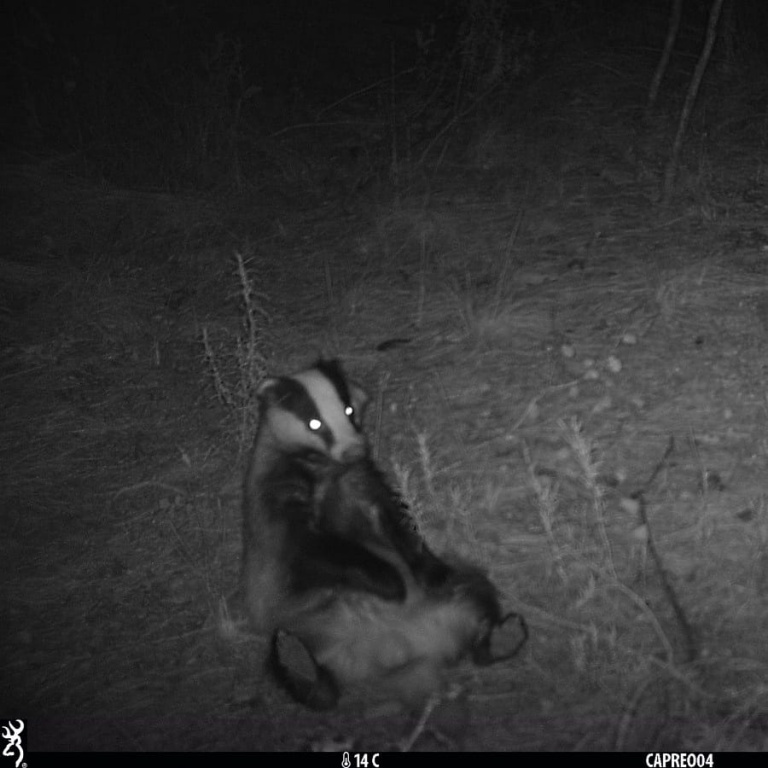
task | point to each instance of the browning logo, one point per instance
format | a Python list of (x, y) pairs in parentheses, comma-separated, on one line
[(12, 733)]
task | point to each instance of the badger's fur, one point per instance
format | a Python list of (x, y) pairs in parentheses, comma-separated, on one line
[(309, 424), (333, 562), (450, 610)]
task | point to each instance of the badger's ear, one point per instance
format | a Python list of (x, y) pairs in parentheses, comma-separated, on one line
[(267, 388)]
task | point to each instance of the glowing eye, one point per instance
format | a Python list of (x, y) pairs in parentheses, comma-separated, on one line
[(315, 424), (350, 411)]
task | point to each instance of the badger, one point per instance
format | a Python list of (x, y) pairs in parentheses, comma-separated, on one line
[(332, 559), (309, 423)]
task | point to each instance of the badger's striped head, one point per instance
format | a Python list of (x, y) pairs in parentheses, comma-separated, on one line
[(315, 410)]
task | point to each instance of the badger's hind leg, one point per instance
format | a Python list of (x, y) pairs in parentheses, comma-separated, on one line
[(297, 670), (502, 642)]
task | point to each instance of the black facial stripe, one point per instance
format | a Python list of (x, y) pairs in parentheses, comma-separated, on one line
[(332, 371), (291, 396)]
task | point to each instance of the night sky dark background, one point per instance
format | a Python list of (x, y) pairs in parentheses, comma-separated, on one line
[(137, 79)]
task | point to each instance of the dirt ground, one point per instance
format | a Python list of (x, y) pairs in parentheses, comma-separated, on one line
[(542, 342)]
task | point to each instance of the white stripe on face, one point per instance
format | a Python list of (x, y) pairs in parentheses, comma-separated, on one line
[(292, 433), (347, 443)]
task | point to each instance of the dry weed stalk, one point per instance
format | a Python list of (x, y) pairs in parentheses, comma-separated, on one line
[(237, 374), (425, 460), (546, 505), (584, 452)]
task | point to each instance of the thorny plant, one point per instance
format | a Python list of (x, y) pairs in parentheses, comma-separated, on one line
[(237, 372)]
